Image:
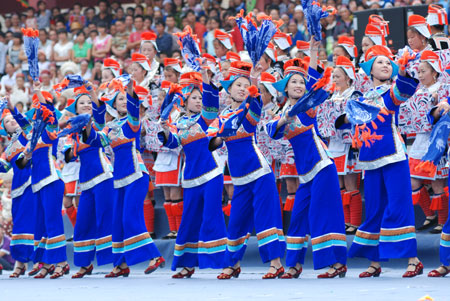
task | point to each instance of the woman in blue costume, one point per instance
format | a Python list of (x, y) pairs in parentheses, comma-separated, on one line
[(202, 237), (317, 211), (255, 200), (92, 233), (131, 243), (22, 242), (49, 190), (388, 231)]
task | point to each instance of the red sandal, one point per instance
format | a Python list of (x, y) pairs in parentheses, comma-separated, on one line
[(18, 274), (87, 271), (160, 263), (180, 275), (49, 270), (235, 273), (436, 273), (337, 272), (288, 275), (36, 270), (375, 273), (122, 272), (65, 269), (417, 271), (277, 274)]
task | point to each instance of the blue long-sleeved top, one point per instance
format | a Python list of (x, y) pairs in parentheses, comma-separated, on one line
[(201, 165), (123, 136), (390, 148), (95, 166), (44, 169), (245, 161), (22, 176)]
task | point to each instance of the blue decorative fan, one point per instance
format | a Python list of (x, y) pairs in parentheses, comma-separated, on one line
[(313, 13), (189, 48), (31, 45), (77, 123)]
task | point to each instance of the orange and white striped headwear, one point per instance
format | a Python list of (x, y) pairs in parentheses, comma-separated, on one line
[(141, 60), (282, 40), (378, 21), (271, 52), (433, 59), (296, 65), (233, 56), (144, 96), (303, 47), (210, 62), (174, 63), (349, 45), (268, 80), (420, 23), (347, 65), (112, 65), (150, 37), (375, 34), (224, 38), (436, 15)]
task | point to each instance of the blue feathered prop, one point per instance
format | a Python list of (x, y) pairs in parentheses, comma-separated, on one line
[(230, 123), (69, 82), (438, 143), (256, 39), (359, 114), (190, 49), (75, 125), (313, 13), (31, 45), (313, 97), (173, 96), (3, 105), (41, 117)]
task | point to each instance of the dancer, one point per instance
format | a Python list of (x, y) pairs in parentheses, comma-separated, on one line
[(201, 239), (323, 221), (49, 190), (255, 200), (92, 233), (388, 231), (21, 192), (131, 243)]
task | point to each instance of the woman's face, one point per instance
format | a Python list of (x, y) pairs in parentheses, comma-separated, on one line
[(101, 30), (266, 97), (80, 38), (427, 76), (340, 79), (10, 124), (366, 44), (107, 75), (171, 76), (20, 81), (225, 67), (62, 37), (194, 102), (382, 68), (137, 72), (295, 87), (45, 79), (339, 51), (121, 104), (219, 49), (415, 40), (84, 105), (238, 89), (148, 49)]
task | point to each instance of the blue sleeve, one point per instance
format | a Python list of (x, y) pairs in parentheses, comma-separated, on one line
[(313, 77), (210, 99), (96, 139), (273, 132), (133, 112), (171, 142), (5, 166), (253, 116), (22, 121), (99, 115), (403, 88)]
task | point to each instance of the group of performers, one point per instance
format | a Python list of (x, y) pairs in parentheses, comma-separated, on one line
[(250, 123)]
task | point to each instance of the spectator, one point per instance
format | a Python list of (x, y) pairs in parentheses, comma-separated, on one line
[(163, 40), (20, 92), (43, 15), (3, 52), (16, 24), (45, 44), (61, 50), (31, 21), (148, 23), (81, 49), (90, 14), (119, 41), (53, 36), (120, 15), (199, 28), (85, 72), (296, 35), (129, 23), (46, 82), (134, 41), (101, 46), (103, 15), (171, 29), (76, 16), (193, 6), (14, 49), (212, 25), (43, 63), (344, 23), (8, 80), (139, 10), (56, 17), (6, 259)]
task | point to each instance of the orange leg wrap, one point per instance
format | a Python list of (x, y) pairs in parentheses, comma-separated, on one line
[(170, 216), (149, 216), (72, 214), (355, 208)]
